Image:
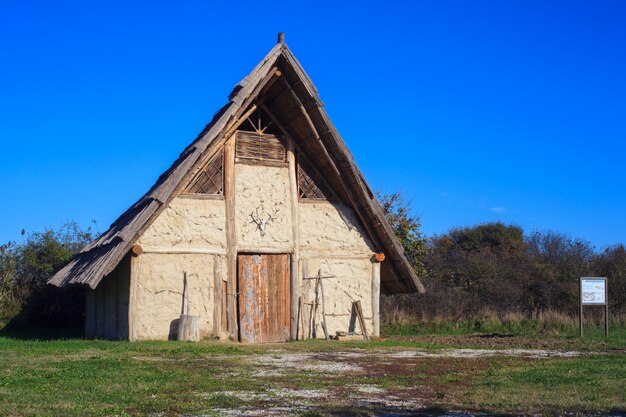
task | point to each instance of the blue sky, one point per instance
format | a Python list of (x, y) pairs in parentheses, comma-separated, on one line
[(475, 111)]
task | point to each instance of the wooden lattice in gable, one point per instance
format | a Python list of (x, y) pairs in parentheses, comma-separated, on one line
[(210, 179), (253, 146), (311, 185)]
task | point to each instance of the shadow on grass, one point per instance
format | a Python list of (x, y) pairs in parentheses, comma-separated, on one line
[(497, 335), (432, 411), (48, 313), (390, 411), (20, 330)]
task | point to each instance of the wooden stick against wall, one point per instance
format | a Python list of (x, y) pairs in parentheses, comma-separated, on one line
[(217, 296), (305, 272), (319, 274), (302, 318), (359, 314), (314, 308)]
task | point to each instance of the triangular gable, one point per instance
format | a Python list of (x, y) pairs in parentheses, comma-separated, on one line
[(296, 108)]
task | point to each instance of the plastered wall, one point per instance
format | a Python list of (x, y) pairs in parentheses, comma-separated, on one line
[(262, 191), (344, 281), (159, 293), (331, 228), (188, 223)]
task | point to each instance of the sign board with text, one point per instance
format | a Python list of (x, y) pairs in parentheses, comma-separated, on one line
[(593, 291)]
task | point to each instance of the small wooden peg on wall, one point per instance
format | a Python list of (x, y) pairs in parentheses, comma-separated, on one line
[(379, 257), (136, 250)]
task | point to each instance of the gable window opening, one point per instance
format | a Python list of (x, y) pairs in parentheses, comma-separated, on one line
[(311, 185), (209, 181), (261, 123)]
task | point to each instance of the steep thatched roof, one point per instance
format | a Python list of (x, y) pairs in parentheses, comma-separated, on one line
[(295, 101)]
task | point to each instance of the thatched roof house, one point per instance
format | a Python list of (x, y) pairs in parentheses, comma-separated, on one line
[(266, 198)]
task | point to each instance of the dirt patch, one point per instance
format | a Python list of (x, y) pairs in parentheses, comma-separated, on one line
[(482, 353), (500, 341), (365, 382)]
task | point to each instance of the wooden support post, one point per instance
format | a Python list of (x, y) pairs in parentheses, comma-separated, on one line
[(606, 309), (217, 296), (580, 302), (376, 298), (295, 221), (231, 239), (135, 264), (606, 318)]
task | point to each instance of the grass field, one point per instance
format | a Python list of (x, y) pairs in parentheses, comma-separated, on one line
[(411, 373)]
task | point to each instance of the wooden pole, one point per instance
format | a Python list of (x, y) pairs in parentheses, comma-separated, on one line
[(182, 307), (305, 272), (606, 309), (231, 239), (580, 313), (132, 296), (319, 274), (314, 315), (217, 297), (359, 315), (376, 298), (606, 320), (295, 225), (302, 318)]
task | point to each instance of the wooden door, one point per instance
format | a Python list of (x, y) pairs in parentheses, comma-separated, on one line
[(264, 298)]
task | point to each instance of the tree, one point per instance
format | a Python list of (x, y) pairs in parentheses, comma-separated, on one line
[(480, 267), (9, 304), (611, 263), (24, 273), (406, 227)]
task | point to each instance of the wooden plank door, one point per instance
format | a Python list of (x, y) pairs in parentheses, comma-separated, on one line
[(264, 298)]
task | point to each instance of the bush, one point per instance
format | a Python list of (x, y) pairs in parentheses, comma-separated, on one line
[(497, 271)]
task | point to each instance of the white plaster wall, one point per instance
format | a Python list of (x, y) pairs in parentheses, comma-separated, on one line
[(159, 287), (188, 223), (352, 281), (331, 228), (264, 188)]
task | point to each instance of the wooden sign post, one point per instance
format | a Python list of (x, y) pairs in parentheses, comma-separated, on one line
[(594, 291)]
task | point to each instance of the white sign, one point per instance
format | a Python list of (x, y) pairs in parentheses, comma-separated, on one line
[(593, 290)]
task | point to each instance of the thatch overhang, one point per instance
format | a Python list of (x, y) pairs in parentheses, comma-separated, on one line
[(293, 102)]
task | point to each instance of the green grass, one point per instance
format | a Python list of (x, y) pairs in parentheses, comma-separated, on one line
[(584, 384), (531, 329), (84, 377)]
